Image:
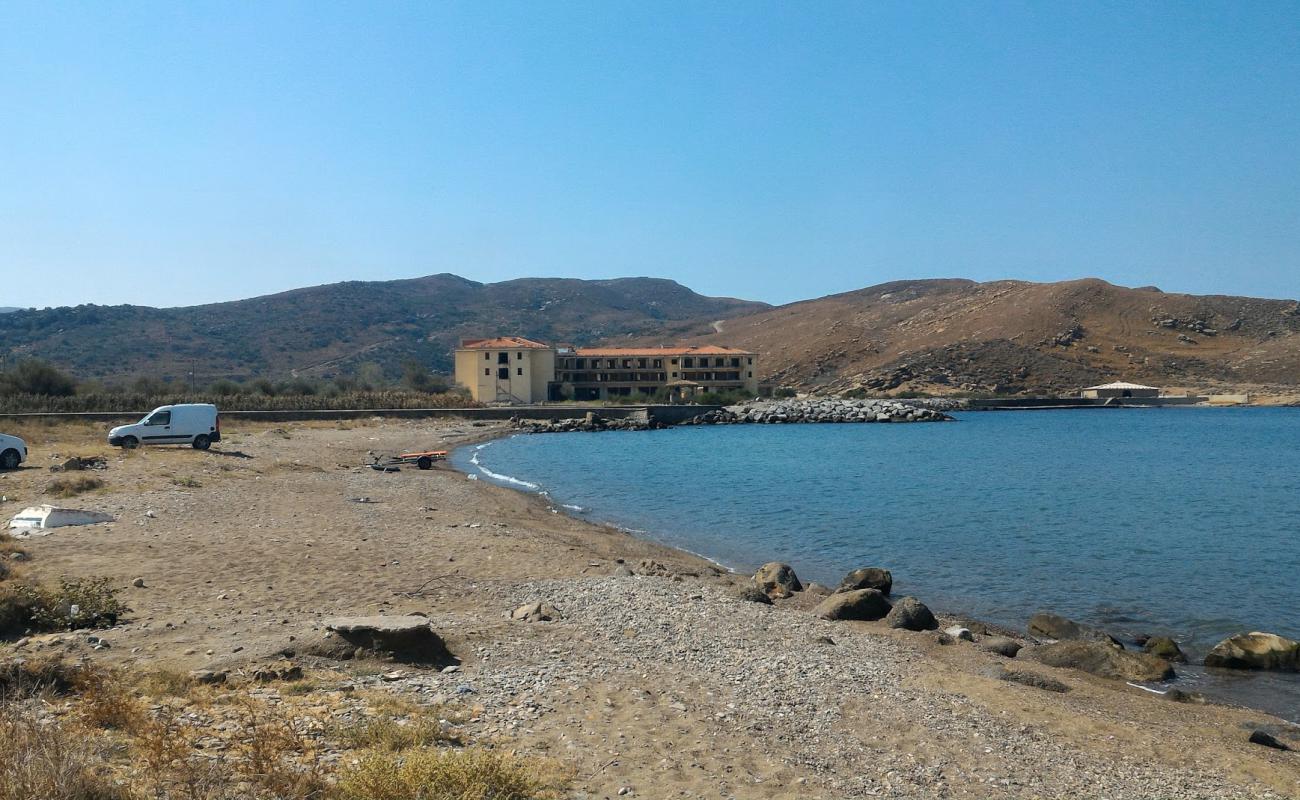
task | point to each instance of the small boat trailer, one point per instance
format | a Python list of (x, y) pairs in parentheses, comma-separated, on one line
[(420, 460)]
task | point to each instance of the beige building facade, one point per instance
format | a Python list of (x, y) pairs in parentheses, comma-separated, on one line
[(511, 369), (507, 369)]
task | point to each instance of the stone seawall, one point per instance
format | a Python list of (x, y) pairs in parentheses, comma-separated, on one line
[(819, 410)]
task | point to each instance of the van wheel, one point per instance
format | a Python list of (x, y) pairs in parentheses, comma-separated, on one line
[(424, 462), (201, 442), (10, 459), (130, 443)]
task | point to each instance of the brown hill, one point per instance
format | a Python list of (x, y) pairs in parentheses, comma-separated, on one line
[(959, 336), (329, 330)]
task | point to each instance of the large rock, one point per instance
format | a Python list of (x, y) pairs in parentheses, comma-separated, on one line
[(407, 638), (777, 580), (911, 614), (1256, 651), (1000, 645), (866, 604), (1054, 626), (868, 578), (1100, 658)]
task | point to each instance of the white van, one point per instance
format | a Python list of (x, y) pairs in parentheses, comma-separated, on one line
[(13, 451), (195, 424)]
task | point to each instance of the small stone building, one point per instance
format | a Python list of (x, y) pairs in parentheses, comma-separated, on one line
[(1119, 389)]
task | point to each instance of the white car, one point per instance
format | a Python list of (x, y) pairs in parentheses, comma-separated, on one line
[(13, 451), (195, 424)]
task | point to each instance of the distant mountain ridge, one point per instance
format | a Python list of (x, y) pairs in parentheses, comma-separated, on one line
[(928, 336), (960, 336), (330, 329)]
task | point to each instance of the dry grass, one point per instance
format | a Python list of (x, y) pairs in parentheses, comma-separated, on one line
[(47, 761), (471, 774), (188, 482), (388, 735), (73, 486)]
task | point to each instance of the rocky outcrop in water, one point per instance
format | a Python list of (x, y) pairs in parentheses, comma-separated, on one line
[(819, 409), (1256, 650)]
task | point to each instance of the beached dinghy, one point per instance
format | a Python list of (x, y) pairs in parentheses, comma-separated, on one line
[(38, 518)]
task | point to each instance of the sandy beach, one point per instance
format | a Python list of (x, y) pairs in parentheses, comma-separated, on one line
[(656, 681)]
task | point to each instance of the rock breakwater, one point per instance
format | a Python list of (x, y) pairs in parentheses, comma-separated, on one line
[(828, 409)]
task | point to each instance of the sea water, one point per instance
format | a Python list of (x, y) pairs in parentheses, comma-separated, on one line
[(1182, 522)]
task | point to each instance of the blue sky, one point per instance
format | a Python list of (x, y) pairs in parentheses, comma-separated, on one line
[(179, 153)]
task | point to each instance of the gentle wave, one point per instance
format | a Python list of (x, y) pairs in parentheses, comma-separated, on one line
[(496, 476)]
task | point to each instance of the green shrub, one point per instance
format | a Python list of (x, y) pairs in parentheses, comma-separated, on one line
[(36, 378), (77, 603)]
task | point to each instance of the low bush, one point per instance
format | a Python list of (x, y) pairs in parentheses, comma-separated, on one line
[(469, 774), (73, 486), (76, 603), (29, 677), (388, 735)]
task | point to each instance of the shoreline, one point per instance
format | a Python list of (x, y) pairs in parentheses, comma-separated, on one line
[(655, 679), (1221, 683)]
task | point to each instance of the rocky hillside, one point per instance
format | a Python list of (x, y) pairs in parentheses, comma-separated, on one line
[(950, 336), (327, 330)]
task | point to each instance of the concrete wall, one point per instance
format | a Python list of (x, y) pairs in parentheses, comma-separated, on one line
[(667, 414)]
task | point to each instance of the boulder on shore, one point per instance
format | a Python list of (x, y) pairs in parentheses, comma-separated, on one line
[(868, 578), (911, 614), (1054, 626), (864, 604), (1166, 648), (1256, 650), (406, 638), (536, 611), (752, 594), (1099, 658), (999, 645), (777, 580)]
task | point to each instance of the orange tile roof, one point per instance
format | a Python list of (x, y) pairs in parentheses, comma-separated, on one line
[(707, 350), (503, 343)]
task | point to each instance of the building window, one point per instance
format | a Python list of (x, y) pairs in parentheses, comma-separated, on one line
[(503, 358), (659, 363), (751, 362), (487, 371), (735, 362), (674, 374), (581, 364), (519, 356), (673, 362), (751, 374), (487, 356), (520, 371), (503, 374), (688, 362)]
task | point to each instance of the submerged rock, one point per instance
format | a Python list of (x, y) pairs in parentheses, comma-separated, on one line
[(1266, 651), (1166, 648), (777, 580), (1100, 658), (911, 614), (868, 578), (1054, 626), (863, 604)]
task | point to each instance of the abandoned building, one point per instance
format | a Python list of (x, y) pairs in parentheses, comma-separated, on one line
[(1119, 389), (512, 369)]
